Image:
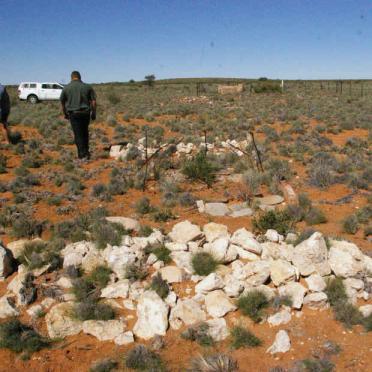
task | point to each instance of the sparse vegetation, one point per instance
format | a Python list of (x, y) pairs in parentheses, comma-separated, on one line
[(142, 359), (253, 304), (241, 337), (198, 333), (204, 263)]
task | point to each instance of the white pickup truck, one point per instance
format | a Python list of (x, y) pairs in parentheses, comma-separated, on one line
[(35, 92)]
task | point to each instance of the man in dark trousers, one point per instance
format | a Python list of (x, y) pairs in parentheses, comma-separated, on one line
[(4, 112), (79, 106)]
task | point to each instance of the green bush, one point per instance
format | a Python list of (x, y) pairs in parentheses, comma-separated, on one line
[(347, 313), (143, 206), (104, 233), (39, 253), (200, 169), (241, 337), (160, 286), (335, 291), (162, 253), (105, 365), (92, 310), (143, 359), (203, 263), (163, 215), (199, 333), (100, 276), (135, 271), (280, 221), (350, 224), (367, 323), (145, 231), (253, 304), (19, 337), (317, 365), (315, 216)]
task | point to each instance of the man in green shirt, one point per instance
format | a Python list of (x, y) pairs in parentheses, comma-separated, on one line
[(79, 106)]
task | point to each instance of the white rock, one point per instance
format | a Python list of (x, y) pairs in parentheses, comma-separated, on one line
[(273, 236), (7, 263), (183, 260), (184, 232), (231, 254), (152, 316), (118, 258), (129, 305), (277, 251), (218, 249), (216, 209), (176, 246), (151, 259), (187, 311), (104, 330), (213, 231), (232, 286), (310, 256), (269, 292), (218, 304), (366, 310), (217, 329), (316, 300), (171, 299), (17, 247), (91, 260), (354, 288), (281, 317), (316, 283), (59, 322), (125, 338), (172, 274), (209, 283), (282, 343), (245, 255), (119, 289), (295, 291), (201, 206), (246, 240), (257, 272), (127, 223), (244, 212), (74, 253), (64, 282), (345, 259), (282, 272), (7, 307)]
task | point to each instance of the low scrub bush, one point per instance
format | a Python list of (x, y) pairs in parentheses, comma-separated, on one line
[(163, 215), (161, 252), (39, 253), (347, 313), (214, 363), (160, 286), (92, 310), (19, 337), (104, 233), (253, 304), (198, 333), (135, 271), (143, 206), (241, 337), (317, 365), (315, 216), (104, 365), (350, 224), (145, 231), (200, 169), (100, 276), (280, 221), (143, 359), (336, 291), (203, 263)]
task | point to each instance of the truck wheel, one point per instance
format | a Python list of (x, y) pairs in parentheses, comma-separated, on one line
[(32, 99)]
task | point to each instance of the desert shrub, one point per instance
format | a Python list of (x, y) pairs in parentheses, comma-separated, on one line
[(104, 233), (160, 286), (315, 216), (201, 169), (278, 301), (350, 224), (336, 291), (104, 365), (280, 221), (317, 365), (143, 359), (85, 290), (39, 253), (252, 304), (253, 181), (186, 199), (203, 263), (367, 323), (100, 276), (143, 206), (163, 215), (25, 226), (145, 230), (347, 313), (135, 271), (54, 200), (3, 161), (213, 363), (364, 214), (93, 310), (19, 337), (320, 176), (15, 137), (279, 169), (199, 333), (161, 252), (241, 337), (100, 191)]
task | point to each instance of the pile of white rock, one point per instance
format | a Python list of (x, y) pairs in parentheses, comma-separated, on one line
[(269, 263), (120, 152)]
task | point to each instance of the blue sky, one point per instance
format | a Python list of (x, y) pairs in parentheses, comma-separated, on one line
[(118, 40)]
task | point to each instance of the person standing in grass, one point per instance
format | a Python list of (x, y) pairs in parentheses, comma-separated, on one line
[(78, 102), (4, 112)]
